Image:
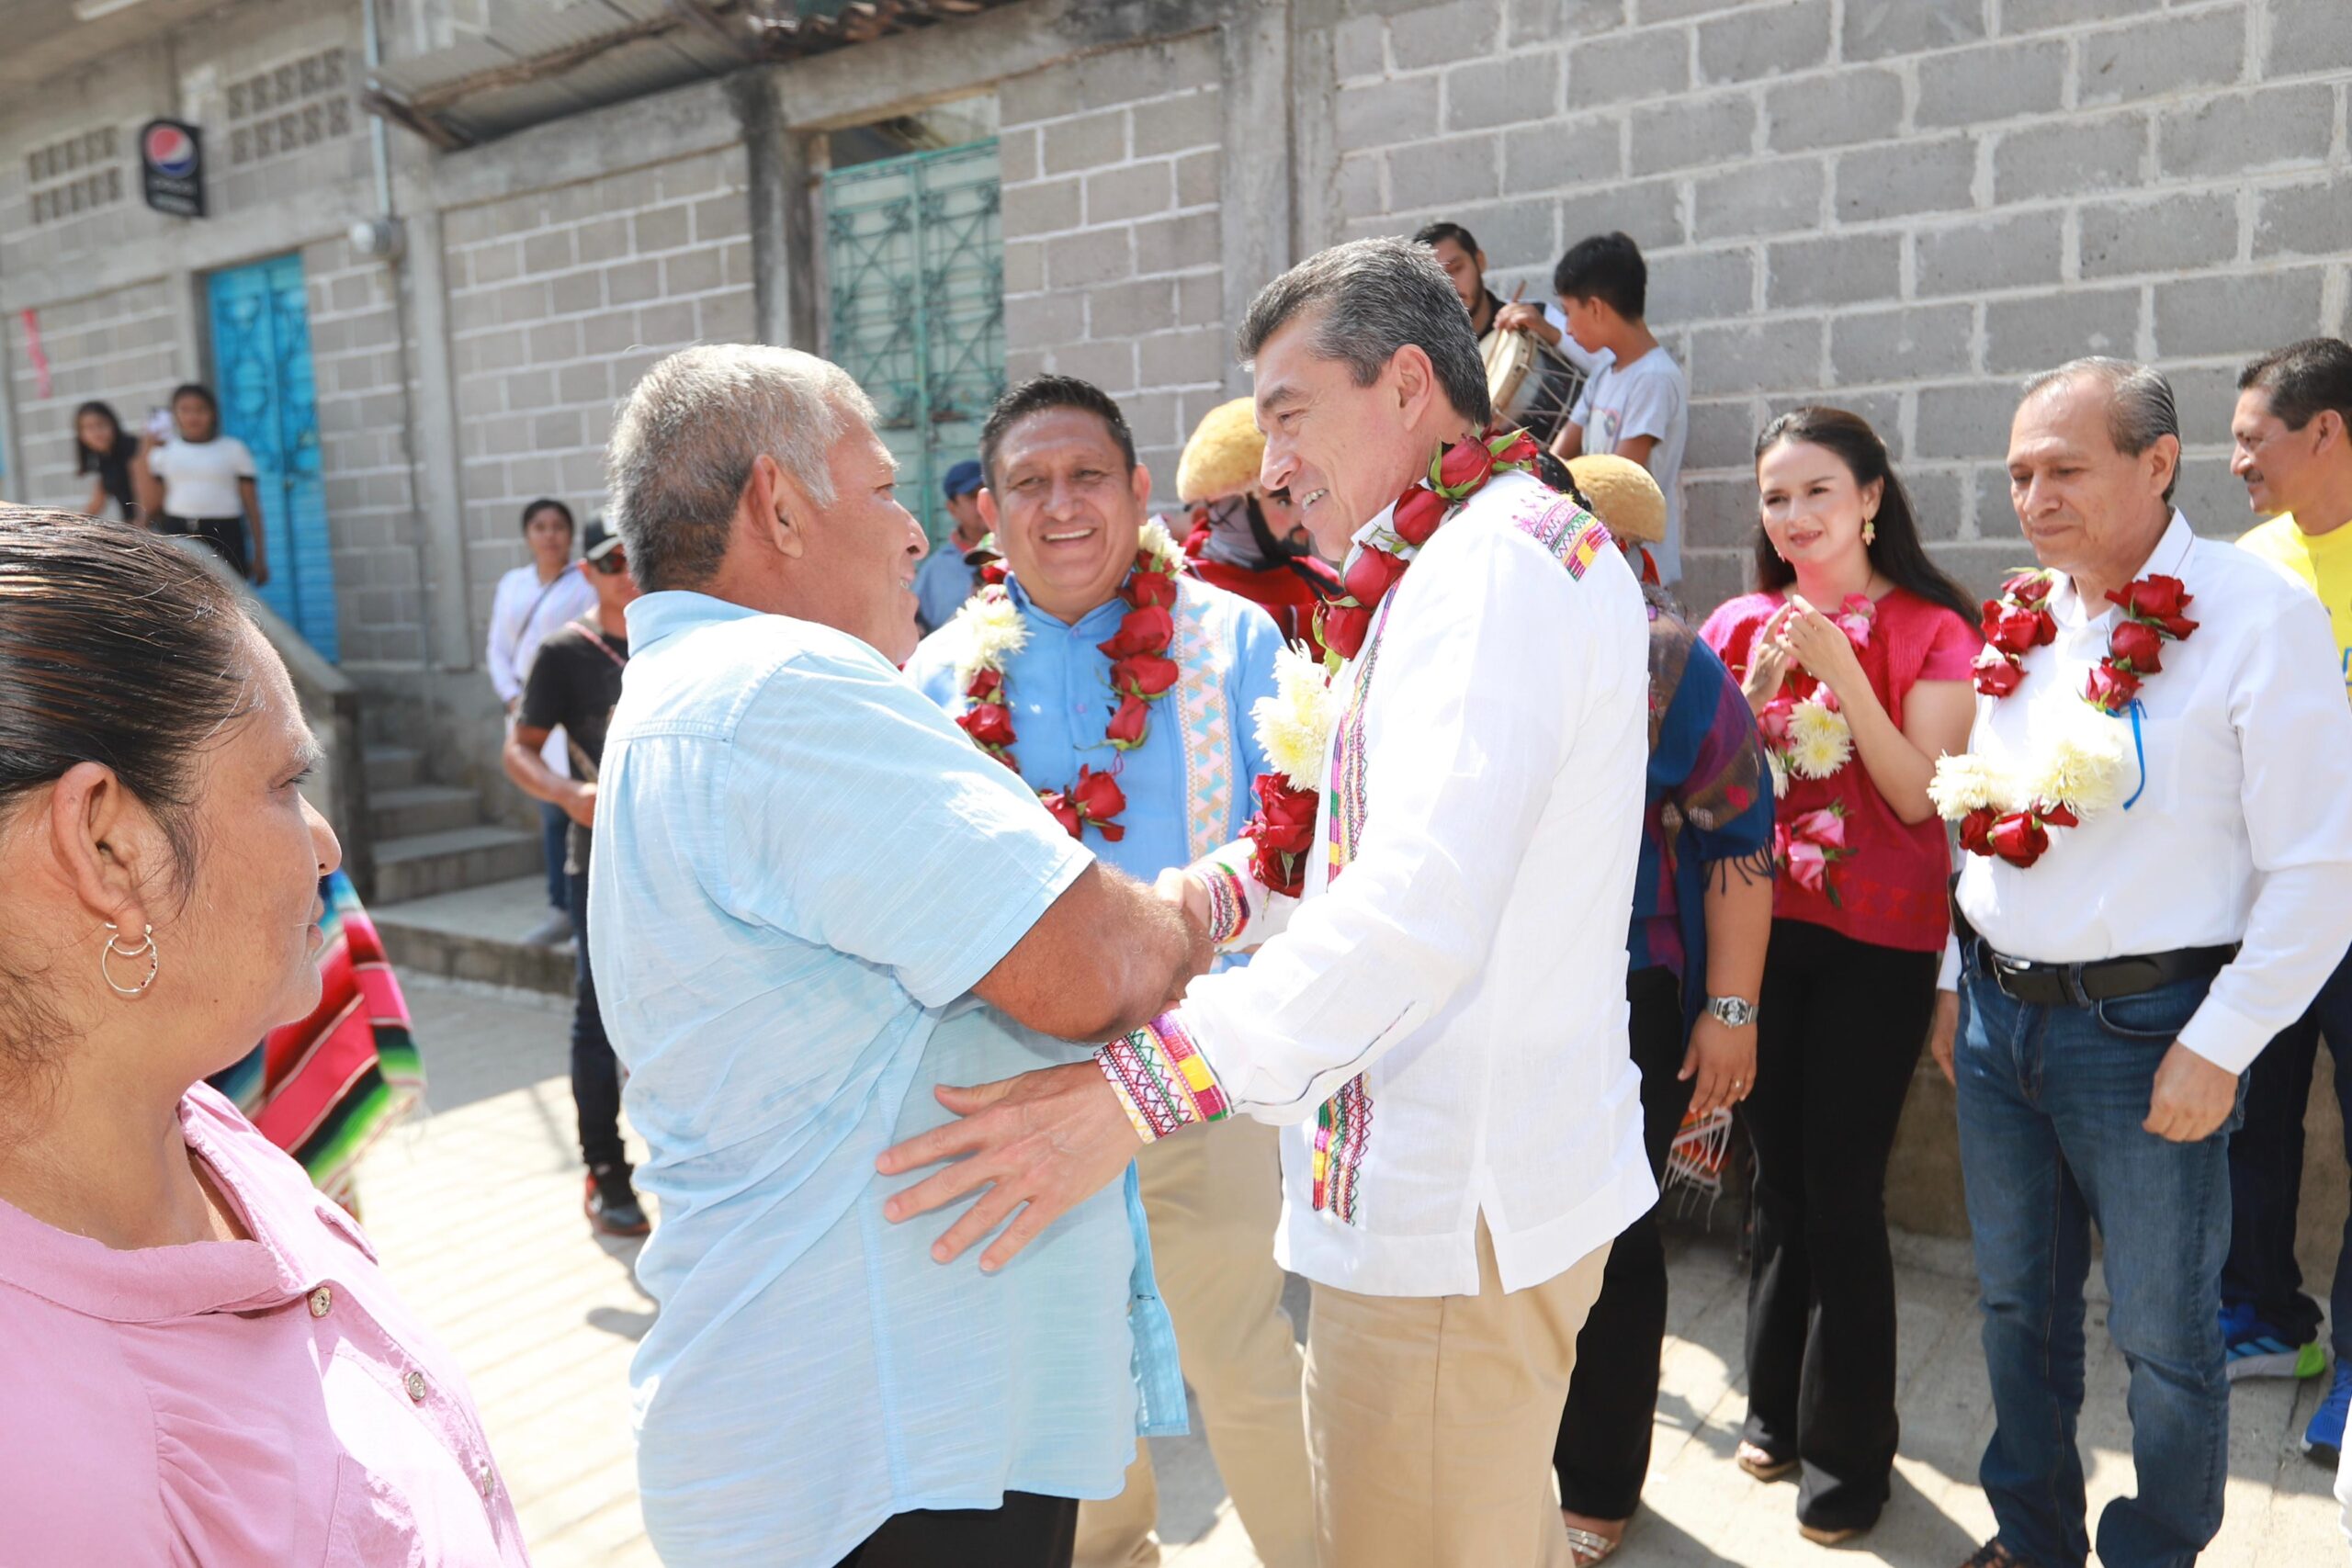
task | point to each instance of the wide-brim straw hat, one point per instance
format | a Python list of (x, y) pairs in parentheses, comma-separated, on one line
[(1624, 495), (1223, 455)]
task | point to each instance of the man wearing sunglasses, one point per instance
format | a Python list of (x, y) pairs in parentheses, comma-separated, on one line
[(573, 686)]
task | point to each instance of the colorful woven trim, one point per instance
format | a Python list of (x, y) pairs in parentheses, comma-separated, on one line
[(1163, 1081), (1204, 721), (1343, 1127), (1228, 903), (1573, 535), (1344, 802)]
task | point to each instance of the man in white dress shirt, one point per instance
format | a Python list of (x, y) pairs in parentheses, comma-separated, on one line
[(1442, 1032), (2117, 988)]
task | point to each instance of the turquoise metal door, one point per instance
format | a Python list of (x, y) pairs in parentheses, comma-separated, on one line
[(261, 361), (914, 254)]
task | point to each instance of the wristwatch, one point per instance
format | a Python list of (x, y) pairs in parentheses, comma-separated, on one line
[(1734, 1012)]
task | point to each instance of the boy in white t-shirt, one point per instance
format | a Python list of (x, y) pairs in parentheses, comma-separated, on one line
[(1637, 406)]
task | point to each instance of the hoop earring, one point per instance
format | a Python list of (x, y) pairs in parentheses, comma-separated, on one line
[(114, 950)]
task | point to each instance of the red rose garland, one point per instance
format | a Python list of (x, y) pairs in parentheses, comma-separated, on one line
[(1141, 673), (2019, 621), (1283, 825)]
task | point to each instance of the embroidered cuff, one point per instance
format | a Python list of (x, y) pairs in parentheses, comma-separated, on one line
[(1163, 1081), (1228, 903)]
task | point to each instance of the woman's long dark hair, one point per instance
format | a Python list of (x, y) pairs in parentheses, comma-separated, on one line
[(1897, 552), (84, 459)]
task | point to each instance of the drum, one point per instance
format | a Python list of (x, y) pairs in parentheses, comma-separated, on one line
[(1530, 384)]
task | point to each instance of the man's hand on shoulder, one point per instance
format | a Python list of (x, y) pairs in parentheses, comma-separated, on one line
[(2192, 1096), (1042, 1144)]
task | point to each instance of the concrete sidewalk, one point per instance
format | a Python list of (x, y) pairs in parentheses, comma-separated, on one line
[(476, 1211)]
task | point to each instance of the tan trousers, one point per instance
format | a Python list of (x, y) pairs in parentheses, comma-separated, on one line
[(1430, 1421), (1213, 1197)]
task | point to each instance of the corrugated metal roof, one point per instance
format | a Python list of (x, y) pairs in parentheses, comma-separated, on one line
[(543, 64)]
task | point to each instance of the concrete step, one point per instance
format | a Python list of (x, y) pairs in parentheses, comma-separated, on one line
[(421, 808), (475, 935), (392, 768), (421, 864)]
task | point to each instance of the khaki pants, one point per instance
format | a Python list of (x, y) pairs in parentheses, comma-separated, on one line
[(1430, 1421), (1213, 1197)]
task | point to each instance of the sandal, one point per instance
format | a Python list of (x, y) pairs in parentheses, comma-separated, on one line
[(1588, 1547), (1761, 1464)]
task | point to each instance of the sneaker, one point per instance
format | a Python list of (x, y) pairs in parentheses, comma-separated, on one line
[(2254, 1350), (556, 928), (2323, 1438), (611, 1204), (1992, 1554)]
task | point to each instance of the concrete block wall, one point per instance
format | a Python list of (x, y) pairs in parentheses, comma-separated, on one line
[(1903, 206), (1112, 238), (118, 346), (558, 300)]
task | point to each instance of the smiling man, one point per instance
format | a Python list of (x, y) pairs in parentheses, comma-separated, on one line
[(1438, 1020), (2124, 960), (1066, 500), (812, 901)]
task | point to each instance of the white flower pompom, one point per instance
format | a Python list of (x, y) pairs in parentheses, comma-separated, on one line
[(992, 630), (2083, 766), (1969, 783), (1820, 740), (1295, 724), (1155, 541)]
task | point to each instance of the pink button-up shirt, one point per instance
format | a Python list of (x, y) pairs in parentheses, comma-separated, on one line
[(262, 1402)]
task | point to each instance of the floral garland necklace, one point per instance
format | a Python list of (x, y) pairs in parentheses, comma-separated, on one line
[(1141, 673), (2008, 812), (1294, 724), (1805, 735)]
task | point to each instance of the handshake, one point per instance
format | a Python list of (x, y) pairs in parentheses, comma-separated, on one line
[(1189, 896)]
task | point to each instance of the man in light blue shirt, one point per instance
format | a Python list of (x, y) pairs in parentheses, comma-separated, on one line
[(815, 904), (1065, 501), (946, 579)]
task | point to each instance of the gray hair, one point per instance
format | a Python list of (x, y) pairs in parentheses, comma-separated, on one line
[(687, 435), (1374, 296), (2140, 408)]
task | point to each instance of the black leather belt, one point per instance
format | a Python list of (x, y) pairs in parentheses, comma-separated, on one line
[(2101, 980)]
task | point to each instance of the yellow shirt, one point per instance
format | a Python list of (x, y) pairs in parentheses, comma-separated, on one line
[(2325, 561)]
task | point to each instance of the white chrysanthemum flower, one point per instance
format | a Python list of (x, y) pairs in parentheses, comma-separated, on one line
[(1780, 773), (2083, 766), (1155, 541), (992, 632), (1820, 741), (1295, 724), (1969, 783)]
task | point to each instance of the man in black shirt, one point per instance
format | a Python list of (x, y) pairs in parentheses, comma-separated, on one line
[(573, 684)]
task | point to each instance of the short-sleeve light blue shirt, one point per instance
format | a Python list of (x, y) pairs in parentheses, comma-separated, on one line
[(801, 870)]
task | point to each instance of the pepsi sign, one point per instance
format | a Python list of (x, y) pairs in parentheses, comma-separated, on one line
[(171, 164)]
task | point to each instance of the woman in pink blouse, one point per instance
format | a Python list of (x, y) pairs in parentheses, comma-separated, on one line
[(1855, 656), (202, 1363)]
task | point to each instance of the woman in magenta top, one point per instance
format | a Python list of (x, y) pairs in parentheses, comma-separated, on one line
[(1855, 656), (202, 1363)]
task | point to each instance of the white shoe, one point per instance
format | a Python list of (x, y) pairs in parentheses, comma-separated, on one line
[(551, 932)]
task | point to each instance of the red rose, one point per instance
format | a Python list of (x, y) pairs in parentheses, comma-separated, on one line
[(1151, 588), (2139, 644), (1465, 463), (1342, 628), (2027, 588), (1283, 873), (2177, 625), (1098, 800), (990, 724), (984, 685), (2018, 839), (2153, 598), (2014, 630), (1285, 816), (1143, 675), (1064, 812), (2057, 817), (1417, 516), (1520, 448), (1977, 831), (2110, 690), (992, 571), (1126, 729), (1773, 722), (1371, 575), (1997, 674), (1147, 630)]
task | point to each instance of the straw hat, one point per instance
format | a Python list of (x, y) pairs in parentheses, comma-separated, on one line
[(1223, 455), (1623, 496)]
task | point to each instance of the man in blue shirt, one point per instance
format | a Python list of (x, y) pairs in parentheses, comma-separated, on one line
[(1066, 501), (785, 827), (945, 580)]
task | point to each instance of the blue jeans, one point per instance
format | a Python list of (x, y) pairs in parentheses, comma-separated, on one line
[(2050, 1104), (2267, 1175), (555, 831)]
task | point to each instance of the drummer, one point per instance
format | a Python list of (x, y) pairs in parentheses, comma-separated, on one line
[(1465, 265)]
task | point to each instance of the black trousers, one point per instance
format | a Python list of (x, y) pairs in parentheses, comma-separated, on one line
[(1840, 1036), (1603, 1450), (595, 1071), (226, 534), (1028, 1531)]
